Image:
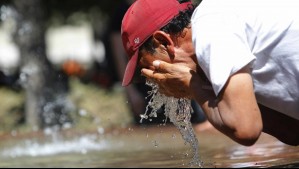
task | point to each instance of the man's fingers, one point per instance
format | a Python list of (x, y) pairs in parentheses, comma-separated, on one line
[(152, 74), (156, 64), (147, 73), (161, 66)]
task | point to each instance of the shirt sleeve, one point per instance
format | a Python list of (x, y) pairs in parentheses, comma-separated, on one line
[(221, 46)]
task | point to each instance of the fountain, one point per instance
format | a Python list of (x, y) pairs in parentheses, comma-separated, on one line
[(157, 146), (46, 103)]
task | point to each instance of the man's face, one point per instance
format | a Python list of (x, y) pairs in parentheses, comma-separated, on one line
[(181, 57), (179, 51), (146, 58), (145, 61)]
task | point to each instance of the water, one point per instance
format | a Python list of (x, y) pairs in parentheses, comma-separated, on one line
[(140, 147), (35, 148), (179, 113), (95, 149)]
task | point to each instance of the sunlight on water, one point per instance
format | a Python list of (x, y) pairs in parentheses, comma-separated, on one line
[(33, 148), (179, 113)]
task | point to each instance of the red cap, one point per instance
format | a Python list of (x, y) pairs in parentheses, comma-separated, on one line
[(141, 20)]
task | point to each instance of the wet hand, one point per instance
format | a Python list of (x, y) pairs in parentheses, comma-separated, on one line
[(173, 79)]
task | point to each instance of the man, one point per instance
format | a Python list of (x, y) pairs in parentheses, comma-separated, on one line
[(137, 92), (238, 59)]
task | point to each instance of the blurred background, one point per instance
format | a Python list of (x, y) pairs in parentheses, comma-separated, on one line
[(61, 65)]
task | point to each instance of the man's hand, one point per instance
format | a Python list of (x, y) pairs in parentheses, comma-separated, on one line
[(173, 79)]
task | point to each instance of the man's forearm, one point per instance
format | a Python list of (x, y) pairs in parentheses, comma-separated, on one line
[(230, 122)]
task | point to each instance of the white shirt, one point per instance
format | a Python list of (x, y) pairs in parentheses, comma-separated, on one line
[(231, 34)]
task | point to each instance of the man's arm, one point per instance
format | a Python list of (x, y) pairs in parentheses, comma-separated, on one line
[(234, 112)]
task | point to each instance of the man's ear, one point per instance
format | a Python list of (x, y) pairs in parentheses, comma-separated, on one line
[(162, 38)]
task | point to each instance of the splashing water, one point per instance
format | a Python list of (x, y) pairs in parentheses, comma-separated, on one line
[(179, 113)]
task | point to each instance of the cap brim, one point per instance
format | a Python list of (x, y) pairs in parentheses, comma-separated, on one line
[(130, 69)]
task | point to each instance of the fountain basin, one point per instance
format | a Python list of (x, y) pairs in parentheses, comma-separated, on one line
[(148, 146)]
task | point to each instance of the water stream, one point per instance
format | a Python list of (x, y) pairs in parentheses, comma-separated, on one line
[(179, 113)]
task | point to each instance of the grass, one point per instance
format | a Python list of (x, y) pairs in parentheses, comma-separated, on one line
[(94, 108), (11, 108), (99, 108)]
